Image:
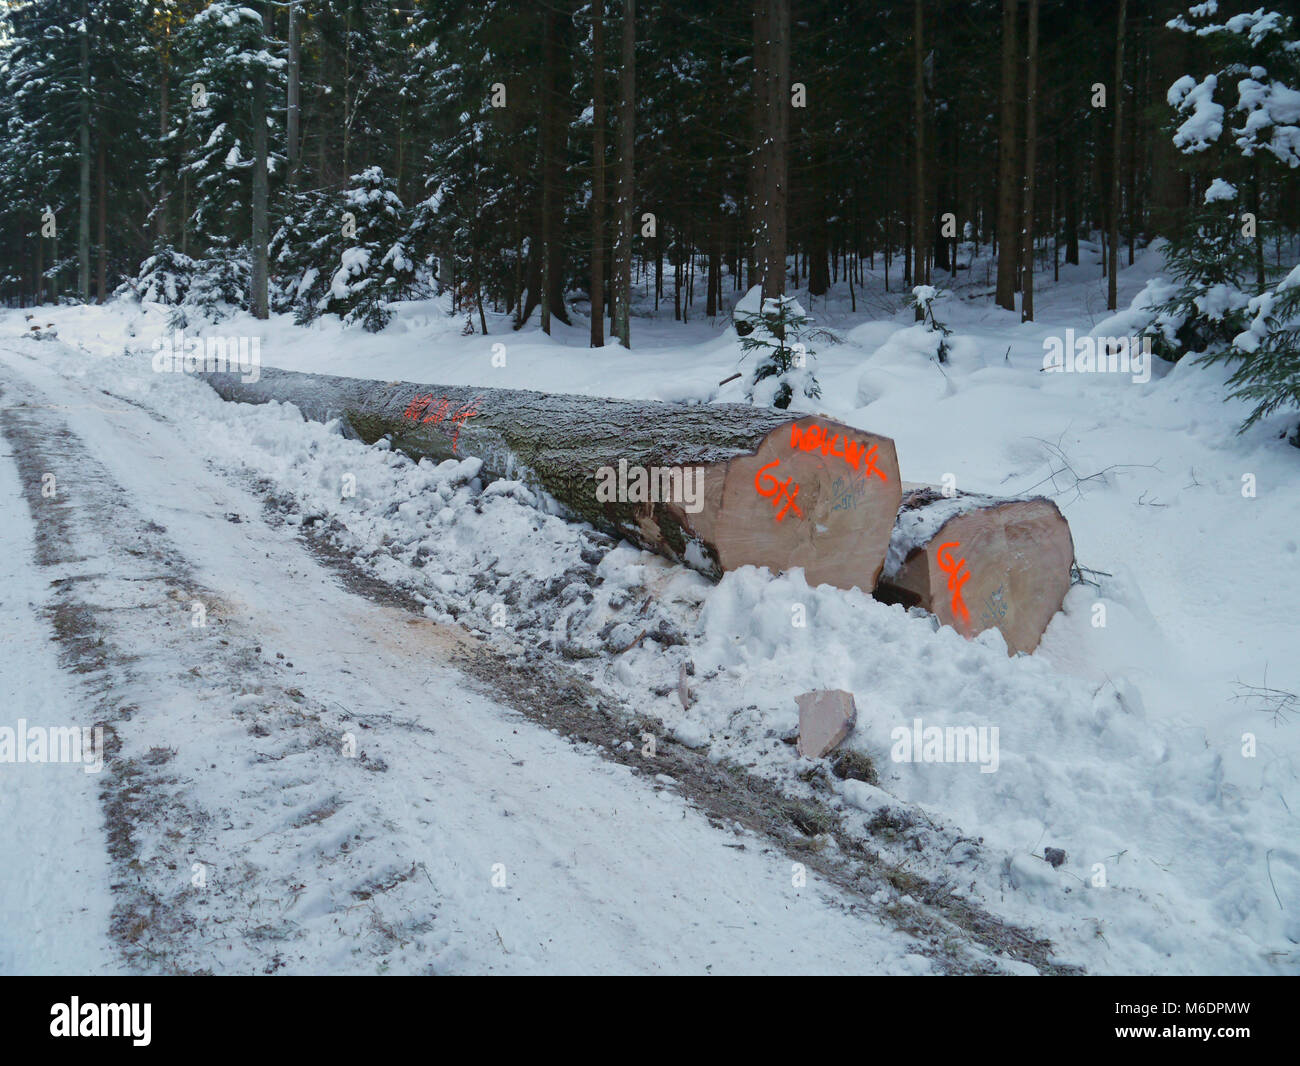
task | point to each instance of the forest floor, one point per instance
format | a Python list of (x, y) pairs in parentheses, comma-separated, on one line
[(500, 807)]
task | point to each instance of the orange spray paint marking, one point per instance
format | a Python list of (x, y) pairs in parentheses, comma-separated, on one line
[(437, 415), (956, 578), (416, 407), (850, 451), (869, 464), (462, 416), (777, 489)]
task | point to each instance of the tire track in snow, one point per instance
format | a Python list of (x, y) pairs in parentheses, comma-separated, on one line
[(243, 840)]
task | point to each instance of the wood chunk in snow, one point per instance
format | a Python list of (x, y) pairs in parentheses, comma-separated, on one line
[(684, 691), (826, 717)]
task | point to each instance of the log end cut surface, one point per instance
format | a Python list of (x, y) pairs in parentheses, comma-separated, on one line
[(1005, 566), (815, 494)]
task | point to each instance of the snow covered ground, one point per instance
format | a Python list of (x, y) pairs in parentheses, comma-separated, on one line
[(1132, 746)]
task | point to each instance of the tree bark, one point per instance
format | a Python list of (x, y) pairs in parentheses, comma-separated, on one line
[(83, 221), (546, 131), (762, 85), (622, 295), (161, 229), (1117, 161), (260, 235), (918, 103), (1031, 164), (776, 136), (598, 175), (1072, 202), (1008, 186), (101, 228), (294, 109), (777, 491)]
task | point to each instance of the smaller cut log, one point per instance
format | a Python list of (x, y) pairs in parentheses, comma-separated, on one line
[(980, 562)]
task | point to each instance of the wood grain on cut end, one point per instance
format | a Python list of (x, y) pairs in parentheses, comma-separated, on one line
[(815, 494)]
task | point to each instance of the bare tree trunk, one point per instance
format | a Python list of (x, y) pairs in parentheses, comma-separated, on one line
[(1117, 161), (1260, 275), (918, 72), (478, 293), (1072, 202), (161, 228), (101, 229), (83, 221), (598, 175), (1056, 208), (258, 298), (1031, 163), (776, 135), (758, 152), (1008, 245), (546, 130), (294, 111), (626, 173)]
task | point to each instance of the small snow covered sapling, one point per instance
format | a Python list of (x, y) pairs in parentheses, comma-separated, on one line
[(923, 299), (165, 277), (218, 287), (1209, 261), (1269, 352), (373, 267), (774, 334)]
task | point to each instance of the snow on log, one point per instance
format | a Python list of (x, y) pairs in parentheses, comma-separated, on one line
[(716, 486), (976, 562)]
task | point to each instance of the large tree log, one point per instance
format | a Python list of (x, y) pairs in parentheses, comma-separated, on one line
[(715, 486), (978, 562)]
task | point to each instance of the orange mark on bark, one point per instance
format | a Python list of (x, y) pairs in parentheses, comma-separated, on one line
[(420, 405)]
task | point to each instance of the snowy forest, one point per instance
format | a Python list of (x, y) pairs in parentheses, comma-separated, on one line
[(631, 487), (530, 158)]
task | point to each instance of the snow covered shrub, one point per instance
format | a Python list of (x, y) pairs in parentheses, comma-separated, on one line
[(775, 335), (303, 252), (165, 277), (218, 286), (374, 266), (1209, 261), (923, 299), (1258, 55), (1269, 351)]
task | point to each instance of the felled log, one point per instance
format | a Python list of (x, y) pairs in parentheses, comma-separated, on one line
[(715, 486), (978, 562)]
